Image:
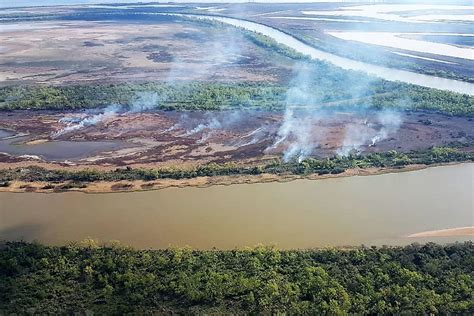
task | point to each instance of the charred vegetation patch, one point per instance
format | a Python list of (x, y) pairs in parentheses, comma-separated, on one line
[(335, 165)]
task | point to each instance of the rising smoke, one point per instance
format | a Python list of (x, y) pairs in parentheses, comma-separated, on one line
[(296, 129), (300, 134), (145, 101), (211, 122), (222, 48), (390, 121), (359, 136)]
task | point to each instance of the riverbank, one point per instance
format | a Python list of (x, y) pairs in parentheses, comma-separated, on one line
[(450, 232), (301, 214), (198, 182), (370, 210)]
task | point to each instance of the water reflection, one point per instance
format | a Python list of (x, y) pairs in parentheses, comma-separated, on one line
[(55, 150)]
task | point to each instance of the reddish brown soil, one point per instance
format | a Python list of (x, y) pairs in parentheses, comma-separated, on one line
[(177, 138)]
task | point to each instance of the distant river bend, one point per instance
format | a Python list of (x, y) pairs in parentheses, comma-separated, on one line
[(386, 73)]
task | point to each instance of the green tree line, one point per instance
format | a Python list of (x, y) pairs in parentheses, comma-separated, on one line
[(324, 91), (111, 279), (334, 165)]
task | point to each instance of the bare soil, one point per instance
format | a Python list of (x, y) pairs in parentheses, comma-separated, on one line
[(161, 139)]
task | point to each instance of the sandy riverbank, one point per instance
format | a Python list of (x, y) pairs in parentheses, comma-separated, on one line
[(451, 232), (200, 182)]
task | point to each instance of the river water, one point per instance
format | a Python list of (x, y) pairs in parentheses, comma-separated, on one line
[(59, 150), (386, 73), (371, 210)]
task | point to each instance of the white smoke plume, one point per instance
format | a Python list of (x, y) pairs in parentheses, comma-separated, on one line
[(297, 129), (358, 136), (212, 121), (222, 49), (211, 124), (144, 102), (390, 122), (74, 124), (252, 137)]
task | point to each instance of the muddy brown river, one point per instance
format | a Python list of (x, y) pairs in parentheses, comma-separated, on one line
[(370, 210)]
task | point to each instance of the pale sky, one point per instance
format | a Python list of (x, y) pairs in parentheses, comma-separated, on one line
[(19, 3), (24, 3)]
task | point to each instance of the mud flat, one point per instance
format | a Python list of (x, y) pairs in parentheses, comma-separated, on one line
[(121, 52)]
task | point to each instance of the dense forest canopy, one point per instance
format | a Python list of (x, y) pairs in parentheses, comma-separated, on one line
[(215, 96), (429, 279)]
